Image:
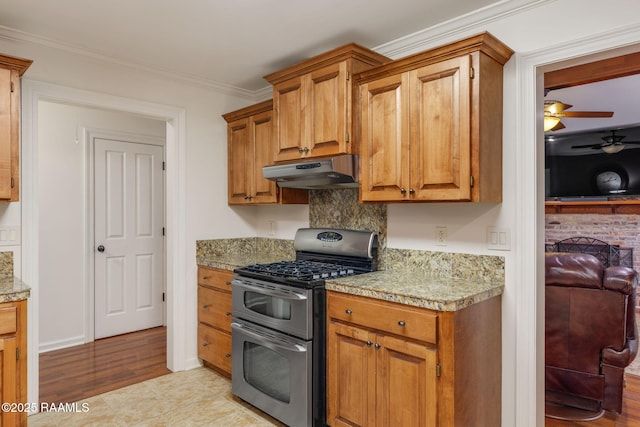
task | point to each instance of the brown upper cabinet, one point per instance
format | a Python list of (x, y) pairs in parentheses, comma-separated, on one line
[(11, 68), (250, 147), (312, 103), (431, 125)]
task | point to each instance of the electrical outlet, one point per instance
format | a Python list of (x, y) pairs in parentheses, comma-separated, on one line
[(441, 236)]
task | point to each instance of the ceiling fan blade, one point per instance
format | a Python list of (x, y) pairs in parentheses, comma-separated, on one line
[(595, 146), (558, 126), (630, 142), (555, 107), (587, 114)]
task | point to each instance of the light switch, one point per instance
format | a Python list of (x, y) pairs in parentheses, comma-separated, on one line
[(498, 238)]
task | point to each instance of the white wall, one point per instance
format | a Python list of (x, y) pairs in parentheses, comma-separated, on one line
[(62, 169), (538, 27)]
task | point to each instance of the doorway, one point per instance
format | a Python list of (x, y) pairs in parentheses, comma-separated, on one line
[(173, 120)]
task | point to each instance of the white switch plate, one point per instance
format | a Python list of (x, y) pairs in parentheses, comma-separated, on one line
[(9, 236), (499, 238)]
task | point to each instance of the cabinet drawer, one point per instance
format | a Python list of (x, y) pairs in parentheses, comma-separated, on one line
[(388, 317), (214, 308), (219, 279), (214, 347), (8, 320)]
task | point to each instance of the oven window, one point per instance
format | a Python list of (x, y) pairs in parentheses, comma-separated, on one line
[(276, 308), (267, 371)]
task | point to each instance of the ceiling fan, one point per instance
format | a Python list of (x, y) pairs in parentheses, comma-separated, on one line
[(611, 143), (555, 110)]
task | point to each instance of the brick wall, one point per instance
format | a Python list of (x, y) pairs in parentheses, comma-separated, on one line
[(620, 230)]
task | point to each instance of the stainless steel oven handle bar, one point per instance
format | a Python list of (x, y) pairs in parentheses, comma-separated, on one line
[(270, 292), (269, 344)]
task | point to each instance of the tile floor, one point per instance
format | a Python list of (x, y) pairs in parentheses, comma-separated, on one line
[(195, 398)]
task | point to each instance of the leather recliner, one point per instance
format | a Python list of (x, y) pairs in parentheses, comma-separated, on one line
[(590, 331)]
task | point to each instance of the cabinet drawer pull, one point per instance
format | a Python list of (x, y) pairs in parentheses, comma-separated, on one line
[(228, 355), (348, 311), (228, 313), (206, 277), (401, 323), (206, 306), (228, 283), (205, 344)]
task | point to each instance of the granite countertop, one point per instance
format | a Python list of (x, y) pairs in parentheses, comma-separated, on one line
[(13, 289), (418, 288)]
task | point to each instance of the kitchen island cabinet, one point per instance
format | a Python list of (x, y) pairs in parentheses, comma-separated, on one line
[(394, 364), (250, 147), (431, 125), (11, 69), (312, 103), (214, 318)]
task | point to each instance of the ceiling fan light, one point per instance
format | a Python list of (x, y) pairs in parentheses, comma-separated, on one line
[(613, 148), (550, 122)]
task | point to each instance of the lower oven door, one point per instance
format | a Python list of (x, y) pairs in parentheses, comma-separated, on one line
[(281, 307), (273, 372)]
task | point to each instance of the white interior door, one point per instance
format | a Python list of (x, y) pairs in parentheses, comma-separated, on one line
[(129, 242)]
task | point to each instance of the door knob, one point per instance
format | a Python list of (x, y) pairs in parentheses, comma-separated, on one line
[(101, 248)]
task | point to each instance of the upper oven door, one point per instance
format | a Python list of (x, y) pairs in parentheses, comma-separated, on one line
[(284, 308)]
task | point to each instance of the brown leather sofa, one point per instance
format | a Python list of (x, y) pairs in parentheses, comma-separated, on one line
[(590, 331)]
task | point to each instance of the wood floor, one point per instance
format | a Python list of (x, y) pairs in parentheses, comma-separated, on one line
[(630, 411), (78, 372)]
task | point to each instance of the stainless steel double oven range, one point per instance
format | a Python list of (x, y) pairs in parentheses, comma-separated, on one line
[(279, 327)]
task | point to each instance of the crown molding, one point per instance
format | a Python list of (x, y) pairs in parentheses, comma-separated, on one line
[(18, 36), (457, 27)]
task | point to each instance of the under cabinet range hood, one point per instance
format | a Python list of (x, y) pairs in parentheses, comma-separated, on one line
[(333, 172)]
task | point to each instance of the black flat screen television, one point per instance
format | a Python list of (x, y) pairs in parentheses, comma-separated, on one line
[(589, 173)]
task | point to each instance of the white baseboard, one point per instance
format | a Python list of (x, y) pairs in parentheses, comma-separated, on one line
[(58, 345)]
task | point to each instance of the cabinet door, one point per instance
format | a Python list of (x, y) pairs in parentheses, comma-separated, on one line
[(240, 156), (351, 376), (406, 383), (6, 130), (384, 149), (288, 101), (328, 107), (441, 131), (8, 374), (264, 190)]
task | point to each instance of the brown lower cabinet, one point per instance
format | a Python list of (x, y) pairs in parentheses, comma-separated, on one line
[(392, 364), (214, 318), (13, 361)]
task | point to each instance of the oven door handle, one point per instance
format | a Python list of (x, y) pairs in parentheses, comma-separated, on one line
[(270, 292), (269, 344)]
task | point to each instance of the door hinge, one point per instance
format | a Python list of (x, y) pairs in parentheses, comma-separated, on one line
[(438, 370), (164, 166), (17, 354), (13, 183), (471, 181), (164, 231), (472, 73), (348, 75), (12, 87), (347, 137), (163, 297)]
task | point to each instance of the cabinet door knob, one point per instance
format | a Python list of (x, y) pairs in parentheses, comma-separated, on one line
[(377, 346), (348, 311), (369, 343), (401, 323), (403, 190), (300, 150), (412, 191), (305, 149)]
